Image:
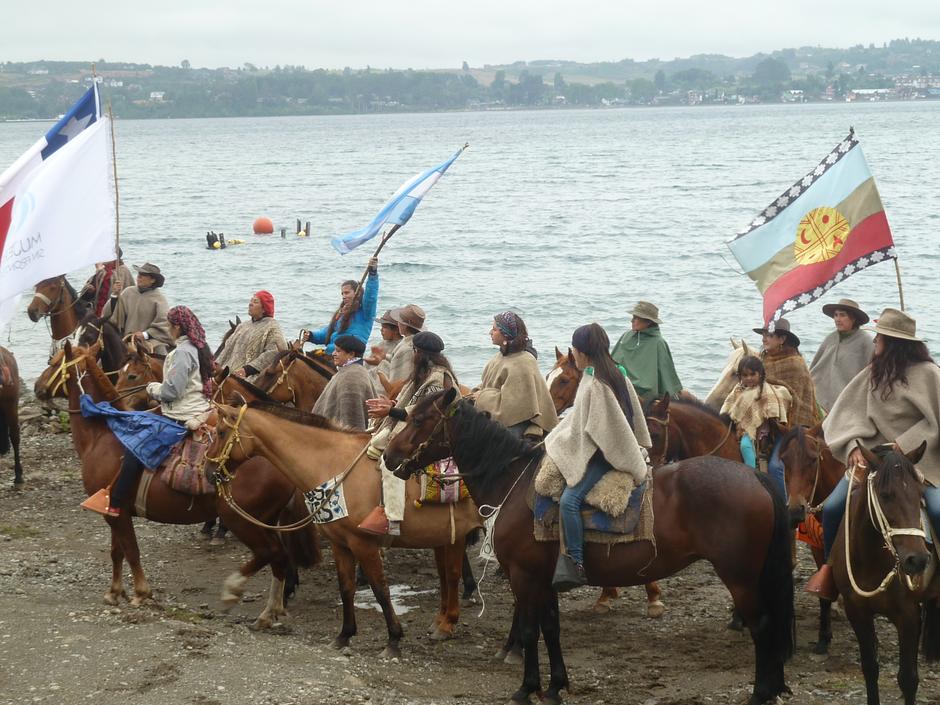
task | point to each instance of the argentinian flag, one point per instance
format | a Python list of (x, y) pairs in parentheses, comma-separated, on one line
[(398, 209)]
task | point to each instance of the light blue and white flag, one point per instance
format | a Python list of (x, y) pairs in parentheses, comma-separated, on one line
[(398, 209)]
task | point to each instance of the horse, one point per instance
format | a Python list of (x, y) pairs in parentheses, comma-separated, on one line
[(9, 411), (113, 352), (311, 450), (141, 368), (703, 507), (260, 489), (227, 335), (729, 375), (56, 299), (811, 474), (686, 428), (563, 380), (296, 378), (882, 565)]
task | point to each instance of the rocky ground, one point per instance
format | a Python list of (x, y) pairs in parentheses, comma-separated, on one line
[(59, 643)]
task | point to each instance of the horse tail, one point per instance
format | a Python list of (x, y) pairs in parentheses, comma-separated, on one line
[(931, 640), (303, 545), (4, 433), (776, 579)]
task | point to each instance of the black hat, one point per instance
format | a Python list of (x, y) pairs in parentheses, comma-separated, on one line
[(350, 344), (781, 327), (428, 342)]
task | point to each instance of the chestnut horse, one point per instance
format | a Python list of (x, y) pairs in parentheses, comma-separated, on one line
[(704, 508), (563, 380), (811, 474), (296, 378), (684, 428), (882, 565), (57, 300), (311, 450), (259, 489), (9, 411)]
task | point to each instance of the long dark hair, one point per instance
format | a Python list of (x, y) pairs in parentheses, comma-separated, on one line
[(425, 361), (342, 317), (753, 364), (890, 367), (592, 340)]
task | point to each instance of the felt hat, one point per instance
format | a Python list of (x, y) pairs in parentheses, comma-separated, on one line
[(411, 315), (151, 270), (847, 305), (386, 319), (644, 309), (350, 344), (896, 324), (428, 342), (782, 326)]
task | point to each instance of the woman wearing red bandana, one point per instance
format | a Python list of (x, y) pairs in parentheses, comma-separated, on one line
[(255, 343)]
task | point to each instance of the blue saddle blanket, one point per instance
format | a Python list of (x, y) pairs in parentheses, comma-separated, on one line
[(148, 436), (546, 514)]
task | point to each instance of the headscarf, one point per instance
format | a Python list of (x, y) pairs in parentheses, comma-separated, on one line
[(267, 303), (508, 324), (190, 326)]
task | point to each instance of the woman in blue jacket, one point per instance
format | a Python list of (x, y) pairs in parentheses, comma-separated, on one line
[(356, 313)]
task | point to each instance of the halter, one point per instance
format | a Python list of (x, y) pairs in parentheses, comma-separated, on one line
[(880, 522), (444, 414), (50, 305), (665, 425), (234, 437), (61, 375), (284, 377)]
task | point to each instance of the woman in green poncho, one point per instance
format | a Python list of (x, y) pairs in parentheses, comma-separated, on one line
[(645, 355)]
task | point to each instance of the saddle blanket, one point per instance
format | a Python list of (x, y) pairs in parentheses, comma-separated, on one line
[(184, 468), (326, 502), (635, 523), (436, 488)]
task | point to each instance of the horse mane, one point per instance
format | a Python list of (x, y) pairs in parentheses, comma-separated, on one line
[(305, 418), (893, 469), (694, 404), (257, 391), (316, 365)]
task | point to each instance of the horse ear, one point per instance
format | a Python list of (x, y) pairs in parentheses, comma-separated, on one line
[(870, 457), (735, 344), (448, 383), (570, 356), (558, 354), (68, 348), (450, 393), (915, 455), (664, 402), (747, 350), (238, 321)]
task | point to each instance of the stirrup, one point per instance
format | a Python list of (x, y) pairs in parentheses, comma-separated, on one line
[(376, 522), (568, 574), (822, 584), (99, 502)]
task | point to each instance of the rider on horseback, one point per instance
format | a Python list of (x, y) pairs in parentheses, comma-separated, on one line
[(141, 310), (343, 400), (355, 314), (254, 344)]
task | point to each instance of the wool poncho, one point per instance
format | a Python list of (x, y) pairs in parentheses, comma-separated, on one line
[(786, 367), (343, 400), (645, 355), (750, 412), (838, 360), (514, 391), (253, 344)]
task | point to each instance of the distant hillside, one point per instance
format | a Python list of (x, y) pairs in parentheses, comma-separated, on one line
[(901, 69)]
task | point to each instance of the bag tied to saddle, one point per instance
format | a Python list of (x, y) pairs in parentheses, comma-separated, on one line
[(184, 469), (441, 484)]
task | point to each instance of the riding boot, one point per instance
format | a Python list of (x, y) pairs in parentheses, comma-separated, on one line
[(376, 522), (823, 584), (568, 574)]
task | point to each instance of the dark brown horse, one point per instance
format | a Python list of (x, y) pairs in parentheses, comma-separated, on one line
[(260, 489), (811, 474), (296, 378), (9, 411), (705, 508), (882, 565), (563, 380), (683, 428), (226, 336)]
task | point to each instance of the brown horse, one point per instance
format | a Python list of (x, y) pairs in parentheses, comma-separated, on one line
[(260, 489), (57, 300), (882, 565), (9, 411), (704, 508), (296, 378), (140, 368), (683, 428), (811, 474), (563, 380), (311, 450)]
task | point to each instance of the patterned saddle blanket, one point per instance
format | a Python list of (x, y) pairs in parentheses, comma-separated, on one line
[(440, 484), (635, 523), (184, 468)]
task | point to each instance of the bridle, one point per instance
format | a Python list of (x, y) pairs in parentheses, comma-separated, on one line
[(664, 423), (443, 416), (283, 378), (51, 305)]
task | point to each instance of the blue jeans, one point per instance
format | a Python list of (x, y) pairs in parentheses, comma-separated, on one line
[(776, 470), (748, 452), (570, 506), (834, 508)]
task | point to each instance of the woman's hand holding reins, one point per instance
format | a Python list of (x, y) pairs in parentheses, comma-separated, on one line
[(378, 408)]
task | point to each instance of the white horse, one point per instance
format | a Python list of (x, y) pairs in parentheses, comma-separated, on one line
[(729, 375)]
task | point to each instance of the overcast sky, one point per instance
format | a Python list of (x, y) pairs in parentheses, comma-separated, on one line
[(441, 33)]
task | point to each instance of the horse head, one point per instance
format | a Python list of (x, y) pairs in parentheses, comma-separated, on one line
[(897, 490), (658, 420), (48, 297), (140, 369), (233, 442), (426, 436), (563, 380), (801, 455)]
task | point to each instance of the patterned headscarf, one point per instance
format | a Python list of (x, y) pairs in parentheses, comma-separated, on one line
[(190, 326), (267, 303), (508, 324)]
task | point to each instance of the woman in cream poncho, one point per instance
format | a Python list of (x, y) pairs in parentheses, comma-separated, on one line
[(603, 432)]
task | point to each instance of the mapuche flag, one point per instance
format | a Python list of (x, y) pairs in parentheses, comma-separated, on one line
[(827, 226)]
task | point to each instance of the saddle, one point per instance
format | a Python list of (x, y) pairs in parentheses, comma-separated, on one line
[(440, 484), (184, 468)]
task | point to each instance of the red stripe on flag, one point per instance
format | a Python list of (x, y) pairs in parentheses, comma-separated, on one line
[(6, 214), (869, 235)]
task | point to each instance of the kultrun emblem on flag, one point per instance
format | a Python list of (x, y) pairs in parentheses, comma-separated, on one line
[(827, 226)]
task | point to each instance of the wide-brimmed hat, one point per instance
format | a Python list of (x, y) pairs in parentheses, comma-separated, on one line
[(847, 305), (386, 319), (782, 326), (411, 315), (896, 324), (151, 270), (644, 309)]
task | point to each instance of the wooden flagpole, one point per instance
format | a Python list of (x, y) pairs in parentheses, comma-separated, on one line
[(897, 271), (117, 209)]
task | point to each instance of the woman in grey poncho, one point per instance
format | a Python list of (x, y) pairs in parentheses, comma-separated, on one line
[(843, 354)]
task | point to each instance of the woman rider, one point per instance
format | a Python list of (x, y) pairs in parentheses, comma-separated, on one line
[(355, 314), (432, 373), (183, 394), (895, 400), (255, 343), (513, 389), (603, 432)]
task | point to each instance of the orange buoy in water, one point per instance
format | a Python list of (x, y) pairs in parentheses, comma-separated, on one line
[(263, 226)]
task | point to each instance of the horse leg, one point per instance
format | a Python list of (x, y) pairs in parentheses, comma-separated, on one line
[(908, 625), (15, 442), (371, 561), (346, 575), (511, 653), (218, 539), (529, 611), (205, 533), (116, 591), (440, 561), (825, 614), (608, 594), (453, 555), (654, 606), (124, 526), (274, 609), (469, 582), (551, 632), (863, 623)]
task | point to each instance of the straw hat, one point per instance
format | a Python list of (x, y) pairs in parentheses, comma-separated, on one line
[(782, 326), (847, 305), (896, 324), (644, 309), (151, 270), (411, 315)]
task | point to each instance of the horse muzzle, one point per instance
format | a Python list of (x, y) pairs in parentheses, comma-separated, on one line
[(914, 564), (33, 314), (797, 515)]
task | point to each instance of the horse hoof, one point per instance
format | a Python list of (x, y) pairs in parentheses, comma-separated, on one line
[(18, 483), (111, 599), (390, 652), (736, 624), (441, 635), (217, 541), (468, 602), (601, 608), (513, 658), (821, 648), (500, 655), (260, 625), (655, 610)]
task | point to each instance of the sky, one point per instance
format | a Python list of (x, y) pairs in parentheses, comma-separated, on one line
[(422, 34)]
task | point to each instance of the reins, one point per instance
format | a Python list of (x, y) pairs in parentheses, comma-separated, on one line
[(665, 424)]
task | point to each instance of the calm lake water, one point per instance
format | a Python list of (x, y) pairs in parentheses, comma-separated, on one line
[(565, 216)]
